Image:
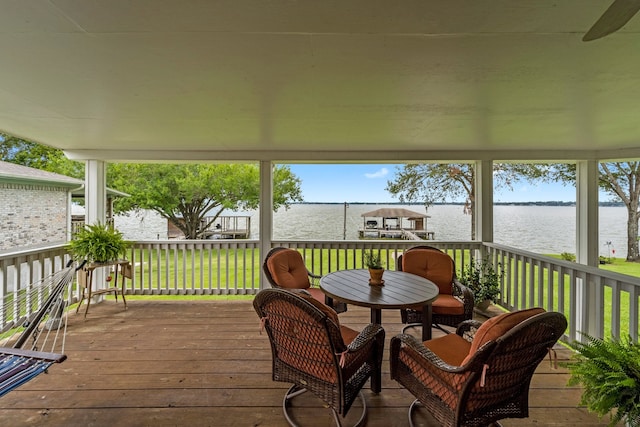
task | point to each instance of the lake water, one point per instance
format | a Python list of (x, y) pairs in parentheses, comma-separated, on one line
[(541, 229)]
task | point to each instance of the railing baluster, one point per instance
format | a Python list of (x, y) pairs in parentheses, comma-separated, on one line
[(615, 308), (633, 313)]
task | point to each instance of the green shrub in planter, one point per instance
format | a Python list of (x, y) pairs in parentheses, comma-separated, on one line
[(609, 372), (483, 280), (98, 243)]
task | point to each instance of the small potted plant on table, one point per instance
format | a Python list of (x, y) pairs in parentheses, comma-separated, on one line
[(373, 262), (483, 280)]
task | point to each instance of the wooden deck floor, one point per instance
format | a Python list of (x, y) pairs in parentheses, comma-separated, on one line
[(204, 363)]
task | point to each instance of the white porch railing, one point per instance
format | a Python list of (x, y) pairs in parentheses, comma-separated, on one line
[(18, 270), (195, 267), (595, 301)]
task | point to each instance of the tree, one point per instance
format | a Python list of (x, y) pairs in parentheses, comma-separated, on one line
[(621, 180), (38, 156), (187, 193), (431, 182)]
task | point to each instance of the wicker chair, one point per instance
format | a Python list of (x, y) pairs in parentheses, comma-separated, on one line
[(311, 350), (455, 302), (474, 379), (284, 268)]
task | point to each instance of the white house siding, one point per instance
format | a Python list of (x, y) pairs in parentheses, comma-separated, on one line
[(32, 215)]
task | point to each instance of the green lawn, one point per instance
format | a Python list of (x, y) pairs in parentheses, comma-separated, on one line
[(620, 265), (219, 272), (617, 265)]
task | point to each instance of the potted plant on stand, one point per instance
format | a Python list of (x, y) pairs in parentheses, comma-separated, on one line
[(102, 246), (99, 243), (483, 280), (609, 372), (373, 262)]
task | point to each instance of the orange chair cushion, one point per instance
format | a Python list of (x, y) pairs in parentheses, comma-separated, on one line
[(447, 305), (497, 326), (431, 264), (288, 270), (330, 312), (451, 348), (348, 334), (317, 294)]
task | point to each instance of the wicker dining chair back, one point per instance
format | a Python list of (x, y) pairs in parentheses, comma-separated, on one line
[(309, 348), (491, 383), (285, 268), (455, 302)]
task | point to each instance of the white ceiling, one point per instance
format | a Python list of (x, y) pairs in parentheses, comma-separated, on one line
[(312, 80)]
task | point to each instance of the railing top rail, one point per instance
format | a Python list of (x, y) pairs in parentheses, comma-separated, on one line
[(211, 241), (568, 264), (385, 242), (363, 243), (32, 250)]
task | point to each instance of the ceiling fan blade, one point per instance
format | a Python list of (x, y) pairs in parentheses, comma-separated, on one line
[(614, 18)]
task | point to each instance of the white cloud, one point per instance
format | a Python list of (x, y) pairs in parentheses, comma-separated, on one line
[(378, 174)]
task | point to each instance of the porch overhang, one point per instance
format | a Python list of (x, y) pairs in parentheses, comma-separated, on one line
[(329, 81)]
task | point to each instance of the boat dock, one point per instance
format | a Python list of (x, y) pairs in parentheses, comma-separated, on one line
[(228, 227), (396, 234), (221, 227), (395, 223)]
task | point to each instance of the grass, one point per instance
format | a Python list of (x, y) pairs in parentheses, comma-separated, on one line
[(616, 265), (620, 265)]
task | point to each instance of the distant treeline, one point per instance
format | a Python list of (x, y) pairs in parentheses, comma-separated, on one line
[(608, 204)]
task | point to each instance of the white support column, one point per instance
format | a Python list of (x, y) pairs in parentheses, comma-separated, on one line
[(587, 241), (95, 191), (95, 204), (484, 200), (266, 213), (587, 212)]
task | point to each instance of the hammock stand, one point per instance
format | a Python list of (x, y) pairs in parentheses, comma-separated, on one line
[(45, 329)]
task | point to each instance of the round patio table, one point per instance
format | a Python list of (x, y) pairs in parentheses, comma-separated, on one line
[(400, 290)]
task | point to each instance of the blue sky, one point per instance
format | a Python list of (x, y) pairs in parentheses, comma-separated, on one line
[(367, 183)]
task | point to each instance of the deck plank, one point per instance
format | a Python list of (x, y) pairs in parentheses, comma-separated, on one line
[(205, 363)]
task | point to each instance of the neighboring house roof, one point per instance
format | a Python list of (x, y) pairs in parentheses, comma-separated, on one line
[(79, 192), (11, 172)]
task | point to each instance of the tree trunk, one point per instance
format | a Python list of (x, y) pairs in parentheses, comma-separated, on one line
[(473, 221), (633, 253), (623, 181), (472, 208)]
